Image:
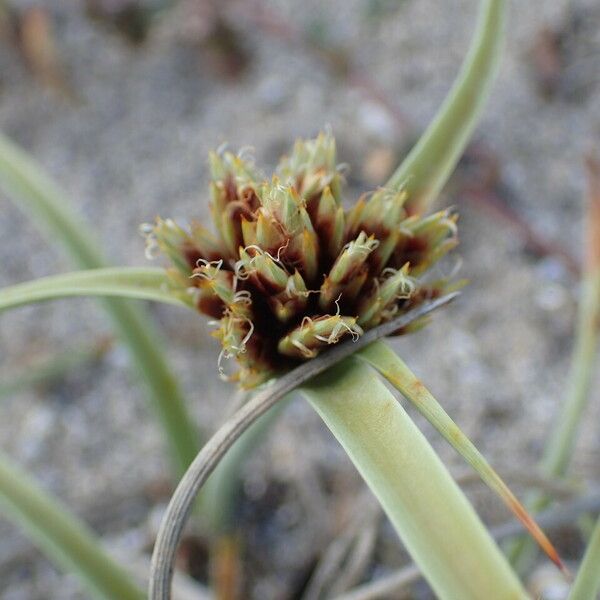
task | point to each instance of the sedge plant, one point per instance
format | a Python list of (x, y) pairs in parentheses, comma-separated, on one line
[(285, 273)]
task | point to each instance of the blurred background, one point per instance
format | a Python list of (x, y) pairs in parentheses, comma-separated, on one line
[(121, 100)]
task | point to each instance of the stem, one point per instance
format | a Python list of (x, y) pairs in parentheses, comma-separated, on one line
[(433, 518), (36, 194), (64, 539), (587, 582), (217, 502), (429, 164), (124, 282)]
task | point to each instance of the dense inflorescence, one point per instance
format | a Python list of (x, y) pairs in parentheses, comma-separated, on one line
[(290, 271)]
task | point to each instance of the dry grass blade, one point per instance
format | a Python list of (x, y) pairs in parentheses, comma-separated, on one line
[(592, 262), (37, 43), (210, 455), (391, 586), (345, 557)]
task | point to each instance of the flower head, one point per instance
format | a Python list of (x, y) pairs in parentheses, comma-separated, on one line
[(289, 270)]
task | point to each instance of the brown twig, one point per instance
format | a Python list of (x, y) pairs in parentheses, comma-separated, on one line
[(208, 458), (592, 256)]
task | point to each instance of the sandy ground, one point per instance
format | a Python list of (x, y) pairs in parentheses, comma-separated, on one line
[(135, 146)]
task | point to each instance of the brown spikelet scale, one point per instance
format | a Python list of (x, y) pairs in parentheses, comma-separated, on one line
[(289, 271)]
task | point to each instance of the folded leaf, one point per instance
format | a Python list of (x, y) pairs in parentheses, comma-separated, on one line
[(393, 368), (433, 518)]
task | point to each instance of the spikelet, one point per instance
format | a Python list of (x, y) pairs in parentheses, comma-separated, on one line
[(289, 271)]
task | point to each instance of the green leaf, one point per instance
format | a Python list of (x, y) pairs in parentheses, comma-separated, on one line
[(429, 164), (559, 445), (393, 368), (587, 582), (37, 195), (125, 282), (433, 518), (64, 539)]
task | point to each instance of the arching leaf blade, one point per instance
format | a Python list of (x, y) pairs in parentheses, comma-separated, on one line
[(382, 358), (433, 518), (37, 195), (64, 539), (430, 163), (123, 282)]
